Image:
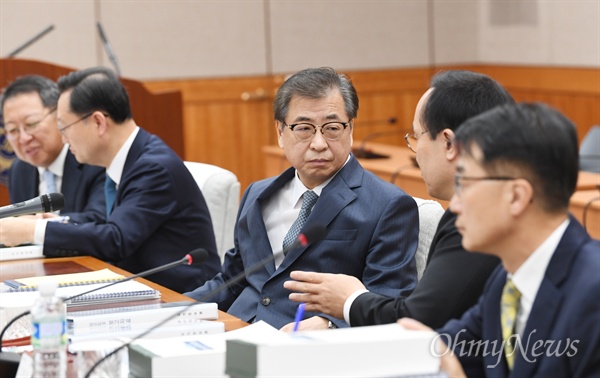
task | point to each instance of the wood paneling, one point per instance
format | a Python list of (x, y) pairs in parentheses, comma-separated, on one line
[(222, 128)]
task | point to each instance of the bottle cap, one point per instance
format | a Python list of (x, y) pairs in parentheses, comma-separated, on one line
[(47, 288)]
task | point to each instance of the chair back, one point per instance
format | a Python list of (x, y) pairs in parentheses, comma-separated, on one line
[(589, 151), (430, 213), (221, 191)]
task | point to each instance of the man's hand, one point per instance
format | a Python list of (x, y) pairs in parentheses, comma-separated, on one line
[(17, 230), (449, 362), (310, 324), (323, 292)]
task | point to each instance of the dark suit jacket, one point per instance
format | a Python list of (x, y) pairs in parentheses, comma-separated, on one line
[(159, 215), (373, 231), (451, 284), (82, 186), (562, 334)]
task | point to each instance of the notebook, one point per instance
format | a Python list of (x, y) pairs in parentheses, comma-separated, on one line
[(73, 279), (31, 251)]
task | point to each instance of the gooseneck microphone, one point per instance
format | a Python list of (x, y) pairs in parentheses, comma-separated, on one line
[(31, 41), (8, 359), (111, 55), (46, 203), (312, 234)]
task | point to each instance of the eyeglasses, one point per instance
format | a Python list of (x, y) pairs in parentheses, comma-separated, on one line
[(29, 128), (458, 180), (62, 129), (307, 131), (414, 138)]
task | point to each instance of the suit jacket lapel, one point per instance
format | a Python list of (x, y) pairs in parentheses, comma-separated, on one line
[(72, 178), (334, 197), (549, 298)]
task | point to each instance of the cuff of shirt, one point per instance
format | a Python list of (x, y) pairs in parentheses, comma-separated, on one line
[(348, 304), (39, 233)]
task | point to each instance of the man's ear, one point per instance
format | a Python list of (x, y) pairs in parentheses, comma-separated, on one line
[(100, 121), (521, 196), (448, 138)]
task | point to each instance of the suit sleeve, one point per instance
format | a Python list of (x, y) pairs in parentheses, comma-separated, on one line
[(94, 209)]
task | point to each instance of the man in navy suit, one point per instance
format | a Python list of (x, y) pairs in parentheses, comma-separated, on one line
[(539, 313), (158, 214), (372, 225), (44, 163)]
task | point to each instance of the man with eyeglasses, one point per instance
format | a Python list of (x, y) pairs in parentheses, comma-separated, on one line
[(44, 163), (539, 314), (372, 225), (155, 212), (453, 278)]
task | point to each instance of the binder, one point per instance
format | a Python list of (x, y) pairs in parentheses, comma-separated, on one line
[(63, 280), (21, 252)]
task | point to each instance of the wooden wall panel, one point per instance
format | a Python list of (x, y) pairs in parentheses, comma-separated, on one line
[(222, 128)]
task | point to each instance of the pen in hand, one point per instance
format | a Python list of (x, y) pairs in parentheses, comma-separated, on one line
[(299, 316)]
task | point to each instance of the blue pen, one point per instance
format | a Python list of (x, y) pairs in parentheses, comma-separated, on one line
[(299, 315)]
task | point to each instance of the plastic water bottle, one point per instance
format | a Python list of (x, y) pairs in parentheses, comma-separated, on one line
[(48, 335)]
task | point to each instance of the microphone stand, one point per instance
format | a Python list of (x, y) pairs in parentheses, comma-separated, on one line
[(32, 40), (304, 239)]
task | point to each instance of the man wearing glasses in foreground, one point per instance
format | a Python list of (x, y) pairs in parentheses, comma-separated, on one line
[(44, 163), (372, 225), (540, 310)]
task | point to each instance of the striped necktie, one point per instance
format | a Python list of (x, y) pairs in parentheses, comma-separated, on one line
[(308, 201), (508, 315)]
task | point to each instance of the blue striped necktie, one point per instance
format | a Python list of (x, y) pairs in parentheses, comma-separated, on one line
[(308, 201)]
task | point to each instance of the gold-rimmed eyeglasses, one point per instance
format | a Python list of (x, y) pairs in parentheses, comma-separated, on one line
[(306, 131), (29, 128), (414, 138)]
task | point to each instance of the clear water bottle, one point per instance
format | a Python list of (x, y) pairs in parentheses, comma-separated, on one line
[(48, 335)]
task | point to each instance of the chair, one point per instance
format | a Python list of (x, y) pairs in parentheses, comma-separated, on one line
[(589, 151), (221, 190), (430, 213)]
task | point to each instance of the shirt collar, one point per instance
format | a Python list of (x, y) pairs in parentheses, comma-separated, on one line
[(115, 169), (57, 167), (530, 274)]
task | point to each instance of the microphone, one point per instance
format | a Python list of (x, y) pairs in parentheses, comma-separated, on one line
[(391, 121), (32, 40), (361, 151), (46, 203), (109, 52), (9, 359), (312, 234)]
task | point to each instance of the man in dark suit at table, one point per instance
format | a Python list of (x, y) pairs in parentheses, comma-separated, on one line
[(372, 225), (156, 212), (44, 163), (453, 279), (538, 315)]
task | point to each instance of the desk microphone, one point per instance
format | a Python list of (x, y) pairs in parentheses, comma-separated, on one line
[(31, 41), (311, 234), (361, 151), (9, 362), (46, 203), (111, 55)]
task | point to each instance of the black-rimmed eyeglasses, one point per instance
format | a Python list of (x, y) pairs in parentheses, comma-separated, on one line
[(306, 131), (62, 129), (458, 180)]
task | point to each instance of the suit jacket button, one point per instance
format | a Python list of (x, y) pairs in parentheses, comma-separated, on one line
[(265, 301)]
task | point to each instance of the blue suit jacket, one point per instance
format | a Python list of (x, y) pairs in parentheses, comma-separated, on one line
[(159, 215), (562, 334), (82, 186), (373, 231)]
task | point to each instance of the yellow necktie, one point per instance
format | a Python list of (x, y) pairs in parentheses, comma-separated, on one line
[(509, 305)]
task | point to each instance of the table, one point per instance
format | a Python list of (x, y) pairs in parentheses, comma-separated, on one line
[(39, 267)]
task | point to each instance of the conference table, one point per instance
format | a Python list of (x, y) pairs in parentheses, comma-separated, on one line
[(52, 266), (397, 165)]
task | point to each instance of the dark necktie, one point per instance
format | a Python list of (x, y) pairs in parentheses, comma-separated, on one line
[(110, 192), (308, 201)]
